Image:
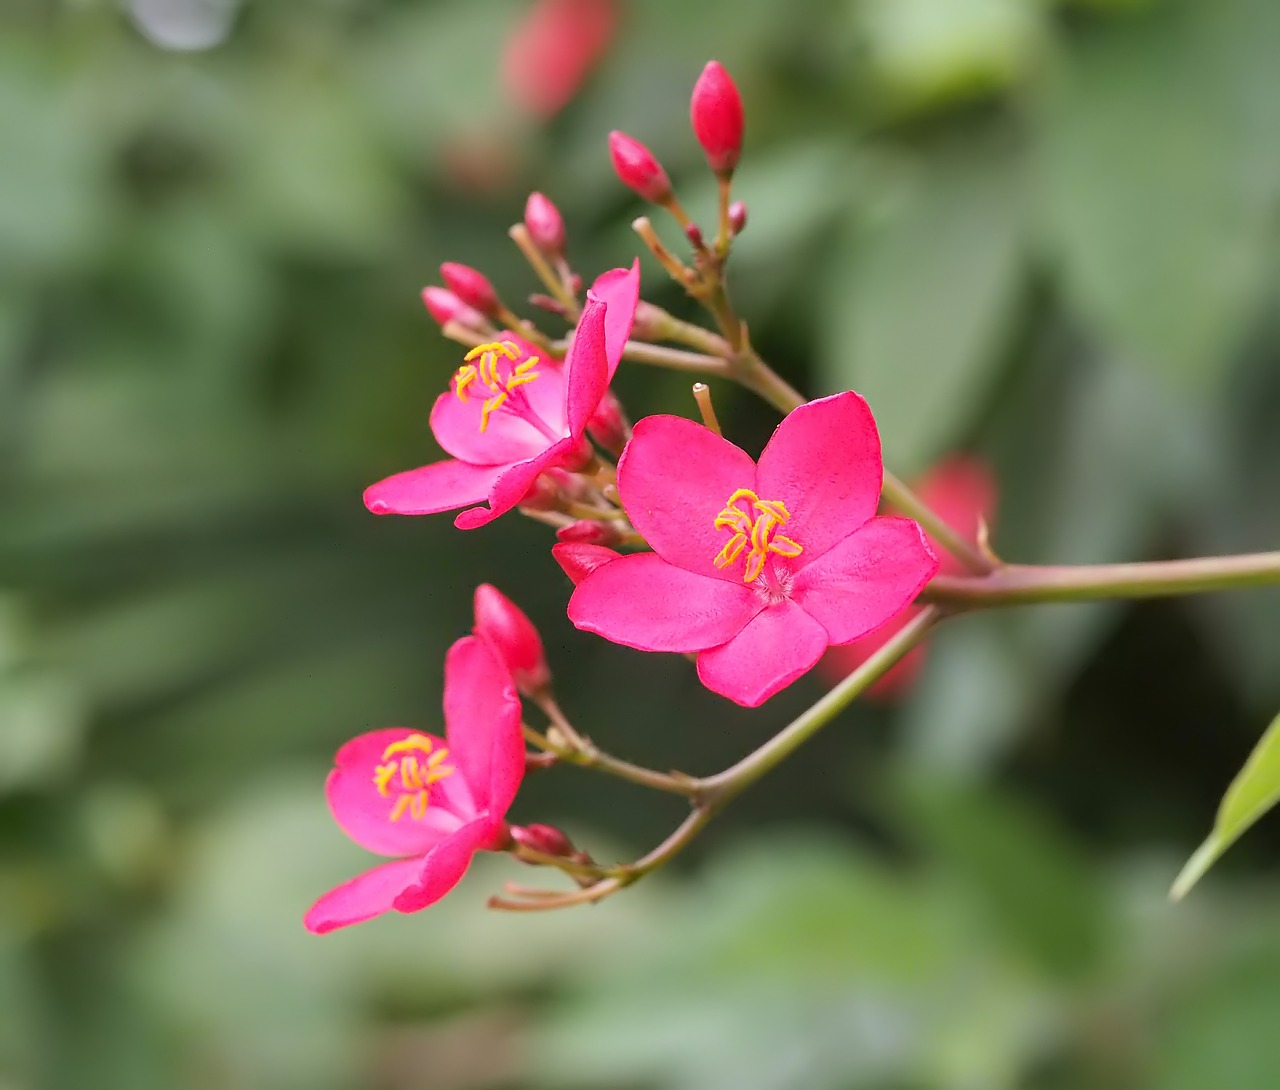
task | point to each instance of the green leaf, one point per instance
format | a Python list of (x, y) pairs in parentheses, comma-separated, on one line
[(919, 303), (1251, 794)]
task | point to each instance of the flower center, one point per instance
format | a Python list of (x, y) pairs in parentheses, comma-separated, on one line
[(409, 768), (754, 523), (497, 369)]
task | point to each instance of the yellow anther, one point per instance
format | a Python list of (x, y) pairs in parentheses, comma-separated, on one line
[(487, 373), (415, 774), (757, 527)]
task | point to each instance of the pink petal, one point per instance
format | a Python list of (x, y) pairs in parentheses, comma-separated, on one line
[(513, 483), (866, 579), (619, 289), (440, 486), (779, 645), (642, 601), (445, 865), (579, 559), (675, 477), (824, 463), (365, 896), (364, 813), (482, 723), (839, 662), (586, 366)]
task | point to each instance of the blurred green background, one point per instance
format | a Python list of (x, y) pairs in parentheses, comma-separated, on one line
[(1046, 233)]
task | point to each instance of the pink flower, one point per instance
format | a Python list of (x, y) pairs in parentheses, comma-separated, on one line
[(962, 491), (511, 413), (553, 50), (435, 801), (758, 567)]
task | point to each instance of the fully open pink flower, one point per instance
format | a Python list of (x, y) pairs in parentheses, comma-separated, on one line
[(758, 567), (436, 801), (962, 492), (511, 413)]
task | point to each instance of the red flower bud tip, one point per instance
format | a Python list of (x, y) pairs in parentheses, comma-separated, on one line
[(638, 169), (737, 217), (580, 559), (545, 224), (446, 307), (471, 286), (587, 532), (501, 624), (608, 424), (694, 234), (546, 839), (716, 112)]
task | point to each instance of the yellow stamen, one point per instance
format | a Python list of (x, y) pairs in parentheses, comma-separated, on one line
[(486, 373), (401, 760), (760, 532)]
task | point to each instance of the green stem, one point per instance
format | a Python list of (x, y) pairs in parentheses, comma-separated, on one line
[(898, 494), (1018, 584)]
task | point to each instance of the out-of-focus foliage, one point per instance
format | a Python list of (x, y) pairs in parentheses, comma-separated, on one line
[(1045, 232)]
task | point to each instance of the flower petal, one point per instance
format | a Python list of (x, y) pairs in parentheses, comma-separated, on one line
[(961, 490), (586, 366), (365, 896), (513, 484), (619, 290), (579, 559), (823, 462), (839, 662), (866, 579), (675, 477), (642, 601), (779, 645), (482, 723), (364, 812), (440, 486), (445, 865)]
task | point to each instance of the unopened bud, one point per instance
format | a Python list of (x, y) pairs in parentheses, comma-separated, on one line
[(471, 286), (546, 839), (545, 224), (737, 217), (544, 302), (501, 624), (580, 559), (694, 234), (637, 169), (651, 323), (543, 495), (588, 532), (716, 112), (608, 424), (446, 307), (575, 283)]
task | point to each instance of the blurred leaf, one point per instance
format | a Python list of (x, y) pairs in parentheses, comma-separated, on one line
[(1159, 176), (42, 721), (946, 243), (1254, 791)]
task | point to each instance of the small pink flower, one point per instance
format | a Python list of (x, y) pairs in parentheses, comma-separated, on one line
[(962, 491), (758, 567), (435, 801), (553, 50), (511, 412), (504, 626)]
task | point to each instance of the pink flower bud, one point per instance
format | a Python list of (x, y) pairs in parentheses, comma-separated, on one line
[(737, 217), (545, 224), (651, 323), (446, 307), (638, 169), (501, 624), (608, 424), (694, 234), (553, 49), (543, 495), (716, 112), (587, 532), (579, 559), (546, 839), (471, 286)]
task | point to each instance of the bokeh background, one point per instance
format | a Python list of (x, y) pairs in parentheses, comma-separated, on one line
[(1044, 233)]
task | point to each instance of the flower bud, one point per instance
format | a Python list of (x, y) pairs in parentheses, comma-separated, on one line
[(737, 217), (638, 169), (694, 234), (716, 112), (543, 495), (608, 424), (501, 624), (544, 223), (651, 323), (471, 286), (446, 307), (579, 559), (546, 839), (588, 532)]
